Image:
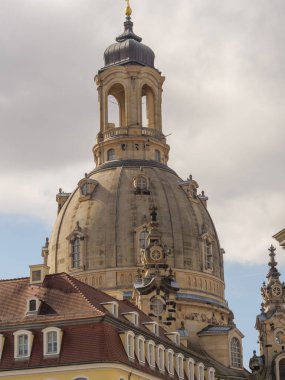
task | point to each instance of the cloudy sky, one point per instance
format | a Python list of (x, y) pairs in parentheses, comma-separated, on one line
[(224, 62)]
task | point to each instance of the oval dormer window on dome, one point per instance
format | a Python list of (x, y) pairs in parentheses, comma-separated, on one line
[(141, 185)]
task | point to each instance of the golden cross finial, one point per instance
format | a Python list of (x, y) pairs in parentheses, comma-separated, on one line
[(128, 11)]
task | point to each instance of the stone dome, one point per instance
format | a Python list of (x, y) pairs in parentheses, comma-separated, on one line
[(128, 49), (111, 218)]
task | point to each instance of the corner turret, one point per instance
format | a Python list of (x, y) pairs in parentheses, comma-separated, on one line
[(270, 323)]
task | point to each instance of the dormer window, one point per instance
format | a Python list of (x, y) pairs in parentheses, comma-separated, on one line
[(153, 327), (112, 307), (133, 317), (160, 358), (170, 361), (38, 273), (33, 305), (52, 341), (130, 344), (174, 337), (190, 369), (2, 341), (211, 374), (180, 366), (151, 353), (200, 371), (22, 344), (140, 349)]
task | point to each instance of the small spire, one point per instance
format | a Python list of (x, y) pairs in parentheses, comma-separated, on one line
[(273, 272), (128, 10), (272, 263)]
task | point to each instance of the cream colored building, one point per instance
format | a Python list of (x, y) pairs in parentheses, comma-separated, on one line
[(133, 220)]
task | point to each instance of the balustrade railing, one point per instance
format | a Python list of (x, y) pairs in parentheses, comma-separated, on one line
[(125, 131)]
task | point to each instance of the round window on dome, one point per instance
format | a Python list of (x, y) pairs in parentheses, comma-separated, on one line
[(157, 306), (141, 185)]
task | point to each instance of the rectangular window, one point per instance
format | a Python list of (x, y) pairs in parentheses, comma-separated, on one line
[(36, 275), (22, 345), (208, 255), (52, 342), (141, 350), (75, 253)]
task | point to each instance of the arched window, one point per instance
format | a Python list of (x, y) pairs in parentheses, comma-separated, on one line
[(200, 370), (22, 343), (143, 239), (191, 367), (151, 353), (140, 349), (130, 345), (281, 369), (211, 373), (160, 357), (157, 156), (52, 340), (116, 106), (169, 362), (110, 155), (147, 107), (179, 366), (75, 253), (236, 353)]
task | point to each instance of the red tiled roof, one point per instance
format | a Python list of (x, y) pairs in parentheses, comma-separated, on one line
[(66, 301)]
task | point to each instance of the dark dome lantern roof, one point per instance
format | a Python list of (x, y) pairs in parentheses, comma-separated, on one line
[(128, 49)]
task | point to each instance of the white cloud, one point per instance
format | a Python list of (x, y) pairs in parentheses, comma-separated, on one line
[(223, 103)]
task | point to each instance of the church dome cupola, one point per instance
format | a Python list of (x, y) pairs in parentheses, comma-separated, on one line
[(128, 49)]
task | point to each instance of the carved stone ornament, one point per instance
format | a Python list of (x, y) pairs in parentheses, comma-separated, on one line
[(87, 187)]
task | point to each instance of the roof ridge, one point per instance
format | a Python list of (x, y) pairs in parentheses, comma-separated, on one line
[(71, 281), (13, 279)]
